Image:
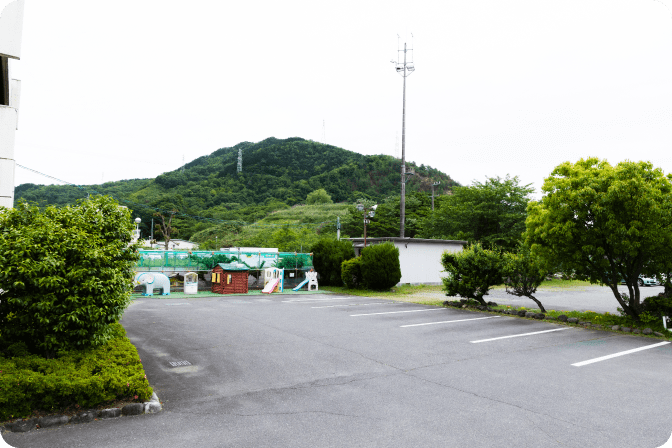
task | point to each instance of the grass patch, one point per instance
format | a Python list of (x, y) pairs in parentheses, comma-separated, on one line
[(76, 379)]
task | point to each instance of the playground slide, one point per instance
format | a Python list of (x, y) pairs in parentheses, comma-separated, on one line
[(270, 286), (300, 285)]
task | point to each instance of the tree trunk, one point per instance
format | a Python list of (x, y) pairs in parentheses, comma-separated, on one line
[(541, 307)]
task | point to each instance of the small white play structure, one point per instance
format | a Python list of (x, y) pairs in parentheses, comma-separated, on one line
[(311, 279), (274, 280), (151, 281), (191, 283)]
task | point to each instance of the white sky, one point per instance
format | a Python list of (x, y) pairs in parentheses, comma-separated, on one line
[(125, 89)]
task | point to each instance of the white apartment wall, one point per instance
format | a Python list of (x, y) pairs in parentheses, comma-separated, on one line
[(11, 28), (421, 262)]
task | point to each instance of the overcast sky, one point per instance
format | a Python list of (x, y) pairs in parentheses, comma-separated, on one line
[(126, 89)]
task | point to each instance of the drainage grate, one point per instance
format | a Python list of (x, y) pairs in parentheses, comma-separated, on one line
[(179, 363)]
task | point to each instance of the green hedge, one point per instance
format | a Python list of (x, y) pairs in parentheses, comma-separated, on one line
[(328, 255), (351, 273), (380, 266), (84, 377)]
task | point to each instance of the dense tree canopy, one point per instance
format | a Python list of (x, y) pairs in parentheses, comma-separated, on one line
[(492, 213), (66, 273), (605, 223)]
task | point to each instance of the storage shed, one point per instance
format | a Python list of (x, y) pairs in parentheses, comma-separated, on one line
[(230, 278)]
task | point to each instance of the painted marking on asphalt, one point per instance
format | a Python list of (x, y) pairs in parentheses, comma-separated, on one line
[(448, 321), (318, 300), (627, 352), (355, 304), (518, 335), (177, 304), (395, 312)]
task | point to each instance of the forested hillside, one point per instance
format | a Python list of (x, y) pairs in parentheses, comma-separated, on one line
[(276, 174)]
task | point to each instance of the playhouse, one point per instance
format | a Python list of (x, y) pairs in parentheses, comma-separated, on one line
[(230, 278)]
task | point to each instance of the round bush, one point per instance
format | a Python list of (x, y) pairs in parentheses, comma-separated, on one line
[(380, 266), (328, 255), (351, 273)]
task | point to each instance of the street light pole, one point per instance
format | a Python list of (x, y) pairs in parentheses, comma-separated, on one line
[(433, 185)]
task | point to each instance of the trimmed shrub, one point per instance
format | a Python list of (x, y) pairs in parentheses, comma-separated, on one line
[(380, 266), (472, 272), (351, 273), (658, 306), (328, 255), (67, 273), (83, 377)]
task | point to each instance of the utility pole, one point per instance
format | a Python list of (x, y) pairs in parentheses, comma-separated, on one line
[(433, 185), (404, 70)]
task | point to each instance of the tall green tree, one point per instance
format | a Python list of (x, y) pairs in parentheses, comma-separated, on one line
[(492, 213), (66, 274), (319, 196), (523, 272), (605, 223)]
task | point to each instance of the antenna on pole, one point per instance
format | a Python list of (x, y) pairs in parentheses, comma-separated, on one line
[(404, 69), (240, 160)]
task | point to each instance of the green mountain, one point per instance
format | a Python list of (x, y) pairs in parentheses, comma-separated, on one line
[(276, 174)]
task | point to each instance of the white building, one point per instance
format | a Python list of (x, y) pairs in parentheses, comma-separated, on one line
[(419, 259), (173, 244), (11, 27)]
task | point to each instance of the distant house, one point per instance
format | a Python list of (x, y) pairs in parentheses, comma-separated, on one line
[(172, 245), (419, 259)]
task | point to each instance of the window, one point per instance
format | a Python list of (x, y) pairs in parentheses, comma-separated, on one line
[(4, 85)]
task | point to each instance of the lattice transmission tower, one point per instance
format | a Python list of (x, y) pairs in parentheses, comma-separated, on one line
[(240, 160)]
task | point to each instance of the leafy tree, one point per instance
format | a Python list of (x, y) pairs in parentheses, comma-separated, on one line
[(492, 213), (523, 273), (471, 272), (380, 266), (319, 197), (67, 273), (165, 228), (328, 256), (605, 223)]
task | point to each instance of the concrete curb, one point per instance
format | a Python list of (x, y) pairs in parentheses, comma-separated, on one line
[(148, 407)]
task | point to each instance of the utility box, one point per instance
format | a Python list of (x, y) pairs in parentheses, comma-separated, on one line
[(191, 283), (230, 278)]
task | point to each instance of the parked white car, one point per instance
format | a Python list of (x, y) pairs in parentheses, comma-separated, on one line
[(645, 281)]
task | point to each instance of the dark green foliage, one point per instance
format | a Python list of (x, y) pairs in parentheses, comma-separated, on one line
[(658, 306), (291, 262), (385, 222), (318, 197), (492, 213), (523, 273), (351, 273), (276, 174), (83, 377), (328, 256), (67, 273), (471, 272), (380, 266)]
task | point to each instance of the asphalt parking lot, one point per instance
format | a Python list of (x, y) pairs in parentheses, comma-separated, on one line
[(334, 371)]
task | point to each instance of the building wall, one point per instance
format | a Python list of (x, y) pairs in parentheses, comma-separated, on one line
[(11, 26), (421, 262)]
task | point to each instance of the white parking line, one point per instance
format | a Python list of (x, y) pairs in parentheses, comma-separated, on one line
[(627, 352), (448, 321), (395, 312), (318, 300), (355, 304), (517, 335)]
